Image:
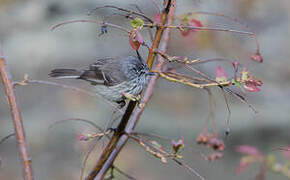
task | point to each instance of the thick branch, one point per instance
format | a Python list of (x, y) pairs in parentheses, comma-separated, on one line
[(119, 138), (17, 120)]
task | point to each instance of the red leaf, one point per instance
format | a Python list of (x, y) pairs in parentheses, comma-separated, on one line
[(248, 150), (195, 23), (132, 40), (251, 85), (257, 57), (220, 75)]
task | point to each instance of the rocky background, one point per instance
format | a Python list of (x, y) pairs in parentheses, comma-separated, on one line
[(30, 47)]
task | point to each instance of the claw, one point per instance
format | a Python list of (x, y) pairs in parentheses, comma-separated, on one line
[(132, 97)]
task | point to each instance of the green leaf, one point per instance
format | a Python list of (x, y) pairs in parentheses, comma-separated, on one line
[(244, 75), (237, 83), (137, 23)]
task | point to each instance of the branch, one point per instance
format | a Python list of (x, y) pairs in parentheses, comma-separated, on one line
[(124, 10), (119, 139), (27, 81), (17, 120), (76, 119), (212, 29), (162, 155), (6, 137), (90, 21), (234, 20)]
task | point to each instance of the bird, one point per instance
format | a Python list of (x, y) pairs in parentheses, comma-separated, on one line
[(112, 77)]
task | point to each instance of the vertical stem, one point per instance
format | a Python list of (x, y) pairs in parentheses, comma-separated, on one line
[(17, 120), (119, 139)]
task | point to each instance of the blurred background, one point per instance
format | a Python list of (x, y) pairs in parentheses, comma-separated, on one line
[(30, 47)]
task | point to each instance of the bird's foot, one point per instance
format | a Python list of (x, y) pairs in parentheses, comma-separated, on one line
[(132, 97)]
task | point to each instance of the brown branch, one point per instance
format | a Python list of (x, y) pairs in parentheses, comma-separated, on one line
[(17, 120), (119, 139)]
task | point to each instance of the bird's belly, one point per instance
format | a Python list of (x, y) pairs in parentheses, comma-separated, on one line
[(115, 93)]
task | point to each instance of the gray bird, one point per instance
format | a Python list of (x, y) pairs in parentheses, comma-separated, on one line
[(112, 77)]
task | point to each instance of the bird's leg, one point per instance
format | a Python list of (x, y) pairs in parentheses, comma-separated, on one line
[(134, 98)]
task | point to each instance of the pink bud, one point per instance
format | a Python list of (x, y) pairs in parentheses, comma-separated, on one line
[(257, 57)]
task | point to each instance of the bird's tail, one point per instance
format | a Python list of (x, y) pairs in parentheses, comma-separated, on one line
[(66, 73)]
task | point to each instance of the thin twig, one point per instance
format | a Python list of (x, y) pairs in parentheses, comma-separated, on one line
[(234, 20), (150, 148), (123, 173), (84, 163), (211, 110), (6, 137), (202, 28), (76, 119), (229, 112), (188, 168), (185, 81), (241, 98), (148, 29), (90, 21), (30, 81), (213, 29), (150, 135), (17, 121), (163, 154), (124, 10)]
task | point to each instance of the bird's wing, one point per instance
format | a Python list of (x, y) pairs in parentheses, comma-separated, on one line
[(107, 71)]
